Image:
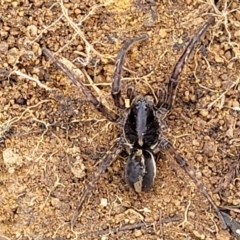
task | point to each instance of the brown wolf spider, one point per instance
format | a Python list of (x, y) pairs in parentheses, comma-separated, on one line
[(142, 137)]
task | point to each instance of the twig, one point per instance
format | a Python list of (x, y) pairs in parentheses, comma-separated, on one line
[(4, 237), (226, 180), (217, 99), (231, 208), (161, 224), (182, 224), (79, 32), (129, 227), (5, 126), (31, 78)]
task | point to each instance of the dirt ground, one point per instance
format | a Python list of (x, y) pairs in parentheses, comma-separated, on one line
[(51, 138)]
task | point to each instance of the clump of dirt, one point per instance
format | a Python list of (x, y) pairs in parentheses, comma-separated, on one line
[(51, 137)]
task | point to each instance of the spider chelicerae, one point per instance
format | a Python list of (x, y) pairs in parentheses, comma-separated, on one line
[(142, 136)]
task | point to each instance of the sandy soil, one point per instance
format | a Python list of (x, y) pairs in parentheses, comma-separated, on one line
[(51, 138)]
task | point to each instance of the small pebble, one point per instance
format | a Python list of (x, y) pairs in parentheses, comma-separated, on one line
[(12, 55), (230, 65), (55, 202), (204, 112), (32, 31), (104, 202), (163, 33), (137, 233), (3, 47), (15, 4), (237, 15), (20, 101), (3, 101), (237, 34), (224, 77), (228, 55), (195, 142), (198, 235), (235, 104)]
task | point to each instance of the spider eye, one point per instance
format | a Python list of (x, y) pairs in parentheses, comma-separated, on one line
[(140, 170)]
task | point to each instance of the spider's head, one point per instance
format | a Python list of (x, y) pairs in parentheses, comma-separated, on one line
[(140, 170)]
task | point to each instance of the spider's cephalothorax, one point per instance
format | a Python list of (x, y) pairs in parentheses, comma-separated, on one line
[(142, 138), (141, 127), (141, 132)]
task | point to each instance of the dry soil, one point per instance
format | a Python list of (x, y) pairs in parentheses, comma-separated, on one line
[(52, 138)]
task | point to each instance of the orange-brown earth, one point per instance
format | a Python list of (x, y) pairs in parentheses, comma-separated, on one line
[(51, 138)]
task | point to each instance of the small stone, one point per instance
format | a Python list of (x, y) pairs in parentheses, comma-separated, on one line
[(204, 112), (237, 34), (137, 233), (78, 168), (103, 202), (163, 33), (21, 101), (236, 201), (148, 22), (195, 143), (228, 55), (18, 234), (224, 77), (218, 59), (32, 31), (21, 13), (206, 172), (235, 104), (209, 149), (223, 235), (36, 48), (237, 15), (188, 2), (191, 214), (3, 47), (37, 3), (55, 202), (218, 83), (12, 159), (77, 11), (15, 4), (12, 56), (198, 235), (230, 65), (3, 101)]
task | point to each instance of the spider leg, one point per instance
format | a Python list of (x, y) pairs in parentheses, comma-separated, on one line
[(164, 144), (192, 174), (232, 224), (131, 94), (88, 94), (116, 84), (108, 159), (166, 105)]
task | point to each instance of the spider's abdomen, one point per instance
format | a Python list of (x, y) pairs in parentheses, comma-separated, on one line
[(140, 170), (141, 127)]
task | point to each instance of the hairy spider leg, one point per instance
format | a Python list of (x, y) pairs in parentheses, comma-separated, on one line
[(116, 83), (107, 160), (164, 144), (166, 105), (201, 187), (226, 220), (111, 116)]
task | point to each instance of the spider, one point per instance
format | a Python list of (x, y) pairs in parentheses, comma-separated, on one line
[(142, 136)]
